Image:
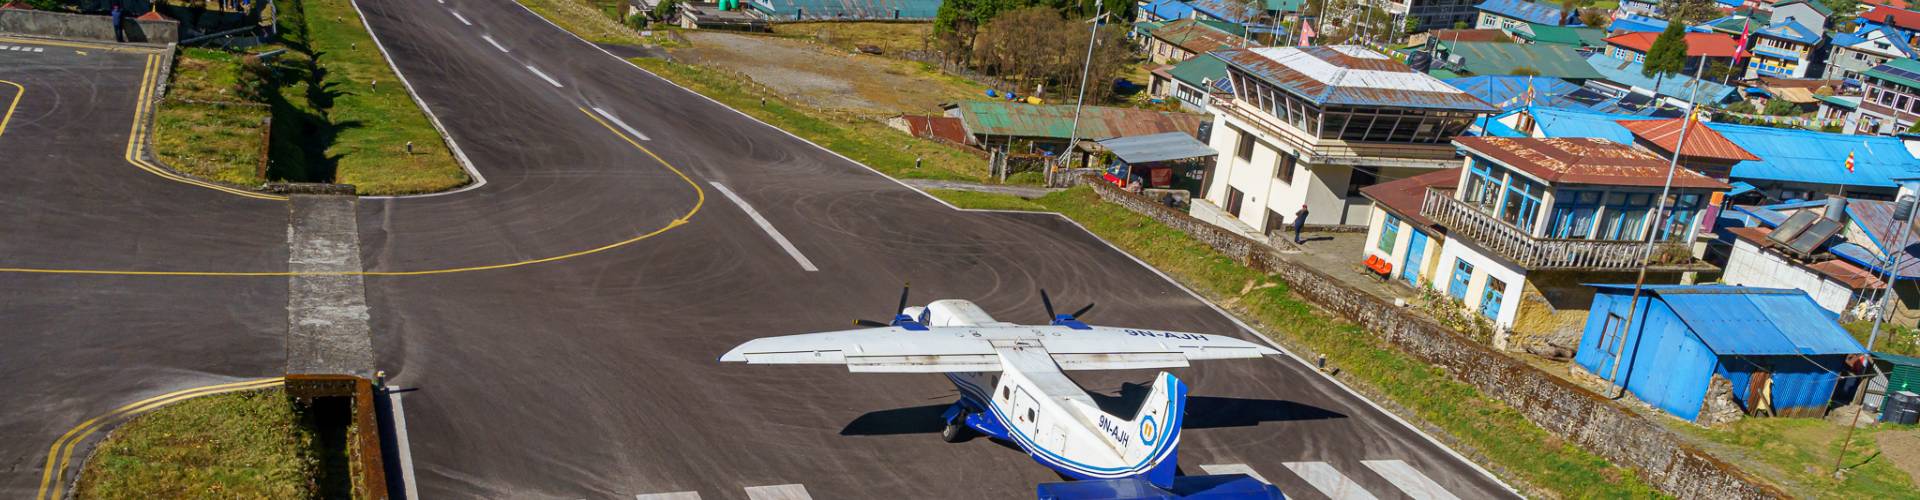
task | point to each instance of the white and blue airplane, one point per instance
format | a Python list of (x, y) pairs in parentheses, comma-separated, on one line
[(1013, 385)]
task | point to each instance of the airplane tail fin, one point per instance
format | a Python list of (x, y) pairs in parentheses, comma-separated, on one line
[(1155, 429)]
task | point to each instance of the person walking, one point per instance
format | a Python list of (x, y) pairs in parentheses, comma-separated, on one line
[(1299, 222), (119, 35)]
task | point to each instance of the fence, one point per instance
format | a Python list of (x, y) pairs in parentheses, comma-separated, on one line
[(1511, 242)]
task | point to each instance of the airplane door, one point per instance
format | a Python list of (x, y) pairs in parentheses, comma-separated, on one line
[(1026, 411)]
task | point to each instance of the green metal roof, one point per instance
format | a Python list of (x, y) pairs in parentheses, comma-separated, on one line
[(1055, 121), (1837, 101), (1494, 58), (1566, 35), (1817, 6), (1199, 70), (1899, 68), (1905, 375)]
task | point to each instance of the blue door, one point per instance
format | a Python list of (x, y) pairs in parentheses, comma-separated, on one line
[(1410, 270)]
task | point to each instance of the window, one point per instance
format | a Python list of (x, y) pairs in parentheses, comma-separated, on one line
[(1233, 201), (1274, 222), (1245, 147), (1389, 231), (1573, 214), (1490, 298), (1462, 274), (1626, 213), (1482, 186), (1006, 393), (1522, 205), (1284, 171), (1680, 218), (1610, 333), (1362, 177)]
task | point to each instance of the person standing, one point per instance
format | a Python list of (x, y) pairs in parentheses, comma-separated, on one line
[(119, 35), (1299, 222)]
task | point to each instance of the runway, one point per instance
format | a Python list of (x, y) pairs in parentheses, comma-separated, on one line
[(595, 375)]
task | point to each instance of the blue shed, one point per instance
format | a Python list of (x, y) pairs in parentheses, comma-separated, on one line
[(1683, 335)]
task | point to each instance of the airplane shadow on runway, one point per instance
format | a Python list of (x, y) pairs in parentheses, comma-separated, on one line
[(1203, 412)]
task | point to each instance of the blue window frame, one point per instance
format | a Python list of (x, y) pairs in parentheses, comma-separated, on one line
[(1680, 217), (1462, 273), (1573, 214), (1490, 298), (1483, 188), (1521, 206), (1626, 213)]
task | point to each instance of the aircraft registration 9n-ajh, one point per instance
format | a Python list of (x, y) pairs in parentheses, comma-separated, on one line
[(1013, 385)]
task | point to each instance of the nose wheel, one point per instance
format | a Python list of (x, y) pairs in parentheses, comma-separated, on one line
[(957, 430)]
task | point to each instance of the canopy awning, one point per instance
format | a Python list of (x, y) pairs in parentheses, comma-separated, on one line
[(1158, 147)]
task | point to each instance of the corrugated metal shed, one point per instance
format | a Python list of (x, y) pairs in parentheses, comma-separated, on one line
[(1905, 375), (1349, 75), (992, 118), (1158, 147), (1737, 320)]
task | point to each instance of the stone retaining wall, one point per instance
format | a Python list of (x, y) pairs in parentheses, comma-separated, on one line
[(1568, 411), (85, 27)]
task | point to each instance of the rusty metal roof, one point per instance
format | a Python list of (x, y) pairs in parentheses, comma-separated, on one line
[(990, 118), (1194, 36), (1584, 160), (1349, 75), (1702, 142), (1404, 197)]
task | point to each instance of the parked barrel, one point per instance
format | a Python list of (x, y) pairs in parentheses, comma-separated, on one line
[(1902, 407)]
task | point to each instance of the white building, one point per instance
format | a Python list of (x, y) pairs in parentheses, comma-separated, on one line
[(1526, 223), (1310, 126)]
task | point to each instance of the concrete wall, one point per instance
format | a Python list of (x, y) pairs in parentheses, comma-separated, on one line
[(85, 27), (1750, 266), (1561, 408)]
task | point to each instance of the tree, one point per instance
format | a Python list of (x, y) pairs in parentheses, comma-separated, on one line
[(1781, 107), (1459, 25), (1844, 11), (1690, 12), (1595, 18), (1668, 55)]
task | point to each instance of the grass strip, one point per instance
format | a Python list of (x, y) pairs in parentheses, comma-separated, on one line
[(370, 115), (1799, 453), (238, 445), (205, 127), (1524, 454), (866, 141), (591, 22)]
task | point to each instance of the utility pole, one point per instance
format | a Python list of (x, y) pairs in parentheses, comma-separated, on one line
[(1073, 138), (1646, 254)]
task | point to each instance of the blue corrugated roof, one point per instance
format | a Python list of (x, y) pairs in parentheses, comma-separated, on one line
[(1523, 10), (1678, 86), (1498, 89), (1735, 320), (1636, 23), (1789, 155), (1168, 9), (1790, 30)]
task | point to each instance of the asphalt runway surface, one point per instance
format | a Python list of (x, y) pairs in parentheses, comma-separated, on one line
[(595, 376)]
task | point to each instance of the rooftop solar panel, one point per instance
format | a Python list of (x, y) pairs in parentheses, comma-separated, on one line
[(1792, 228), (1815, 234)]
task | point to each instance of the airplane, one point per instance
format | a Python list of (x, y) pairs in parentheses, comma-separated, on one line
[(1012, 380)]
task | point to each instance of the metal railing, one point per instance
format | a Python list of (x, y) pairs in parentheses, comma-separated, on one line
[(1467, 221)]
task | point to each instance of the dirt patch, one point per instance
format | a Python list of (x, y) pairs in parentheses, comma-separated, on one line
[(824, 77), (1902, 448)]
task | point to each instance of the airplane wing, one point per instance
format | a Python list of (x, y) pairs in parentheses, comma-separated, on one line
[(890, 349), (973, 349)]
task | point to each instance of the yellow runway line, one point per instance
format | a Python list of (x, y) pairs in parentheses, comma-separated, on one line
[(60, 454), (19, 92)]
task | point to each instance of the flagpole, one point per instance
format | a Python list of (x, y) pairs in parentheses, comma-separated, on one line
[(1745, 22)]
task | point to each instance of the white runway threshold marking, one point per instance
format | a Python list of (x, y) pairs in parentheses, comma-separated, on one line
[(1218, 469), (1409, 480), (778, 492), (489, 39), (623, 125), (463, 19), (777, 238), (678, 495), (402, 445), (543, 76), (1329, 481)]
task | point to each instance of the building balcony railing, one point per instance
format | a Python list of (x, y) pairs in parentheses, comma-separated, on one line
[(1334, 151), (1466, 221)]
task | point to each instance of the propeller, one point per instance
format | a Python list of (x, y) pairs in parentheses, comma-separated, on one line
[(898, 316), (1062, 319)]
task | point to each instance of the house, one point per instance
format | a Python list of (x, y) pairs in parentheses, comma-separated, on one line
[(1809, 13), (1310, 126), (1640, 8), (1178, 40), (1511, 92), (1260, 19), (1794, 164), (1529, 219), (1773, 350), (1894, 17), (1787, 49), (1850, 54), (1673, 90), (920, 10), (1171, 161), (1702, 48), (1190, 82), (1433, 14), (1047, 129), (1841, 263), (1495, 58), (1512, 15), (1705, 151), (1892, 100), (1733, 24), (1161, 11), (711, 16), (1406, 241), (1466, 35)]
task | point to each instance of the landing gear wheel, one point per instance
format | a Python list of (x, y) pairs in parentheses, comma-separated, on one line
[(956, 431)]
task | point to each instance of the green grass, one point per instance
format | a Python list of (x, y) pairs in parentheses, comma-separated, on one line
[(867, 141), (206, 127), (1799, 452), (891, 37), (590, 21), (237, 445), (369, 114), (1513, 447), (1902, 340)]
